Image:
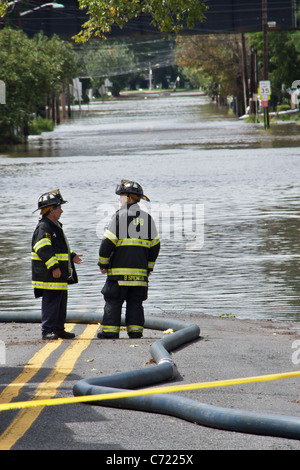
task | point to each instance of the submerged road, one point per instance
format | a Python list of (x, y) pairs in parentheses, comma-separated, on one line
[(248, 268)]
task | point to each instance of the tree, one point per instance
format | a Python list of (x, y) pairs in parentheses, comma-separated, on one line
[(114, 61), (283, 60), (167, 15), (32, 69), (216, 62), (3, 8)]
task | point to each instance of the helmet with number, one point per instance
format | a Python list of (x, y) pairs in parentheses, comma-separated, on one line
[(51, 198), (131, 187)]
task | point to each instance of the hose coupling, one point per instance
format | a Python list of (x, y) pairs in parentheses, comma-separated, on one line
[(169, 360)]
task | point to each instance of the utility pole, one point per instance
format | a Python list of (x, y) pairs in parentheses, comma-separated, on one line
[(150, 77), (245, 75), (265, 56)]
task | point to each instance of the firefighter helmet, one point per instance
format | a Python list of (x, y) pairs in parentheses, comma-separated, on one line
[(131, 187), (51, 198)]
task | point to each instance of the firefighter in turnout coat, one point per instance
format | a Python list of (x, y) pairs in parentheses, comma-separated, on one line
[(127, 255), (52, 266)]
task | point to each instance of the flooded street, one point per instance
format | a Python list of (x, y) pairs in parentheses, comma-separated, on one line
[(241, 259)]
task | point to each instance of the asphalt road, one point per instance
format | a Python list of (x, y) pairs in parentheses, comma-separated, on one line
[(227, 348)]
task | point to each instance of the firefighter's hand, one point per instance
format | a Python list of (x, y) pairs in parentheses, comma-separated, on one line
[(56, 273), (77, 259), (103, 271)]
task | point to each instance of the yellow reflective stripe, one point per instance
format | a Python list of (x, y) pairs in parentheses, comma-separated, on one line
[(151, 264), (50, 285), (127, 271), (62, 256), (154, 242), (134, 242), (59, 256), (111, 236), (133, 283), (51, 262), (41, 243), (35, 257), (136, 328), (110, 329), (103, 260)]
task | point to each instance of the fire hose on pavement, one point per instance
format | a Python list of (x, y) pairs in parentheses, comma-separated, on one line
[(180, 407), (165, 369)]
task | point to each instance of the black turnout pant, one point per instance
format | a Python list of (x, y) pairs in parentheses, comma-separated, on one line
[(54, 311), (115, 296)]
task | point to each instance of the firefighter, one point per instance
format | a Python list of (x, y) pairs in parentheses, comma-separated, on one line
[(52, 266), (127, 255)]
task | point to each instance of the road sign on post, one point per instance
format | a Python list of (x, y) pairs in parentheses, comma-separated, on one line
[(264, 92), (265, 88)]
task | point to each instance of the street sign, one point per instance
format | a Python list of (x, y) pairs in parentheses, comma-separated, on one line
[(265, 88), (264, 92)]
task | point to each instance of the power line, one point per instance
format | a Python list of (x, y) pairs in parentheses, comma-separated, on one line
[(248, 9)]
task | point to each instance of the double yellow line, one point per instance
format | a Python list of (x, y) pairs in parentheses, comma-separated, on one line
[(45, 390)]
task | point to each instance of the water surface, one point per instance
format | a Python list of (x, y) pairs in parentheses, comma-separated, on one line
[(185, 152)]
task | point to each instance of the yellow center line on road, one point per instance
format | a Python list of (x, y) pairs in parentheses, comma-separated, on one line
[(47, 389), (32, 367)]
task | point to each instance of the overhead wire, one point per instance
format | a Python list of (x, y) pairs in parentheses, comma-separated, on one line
[(155, 53), (159, 58), (134, 25)]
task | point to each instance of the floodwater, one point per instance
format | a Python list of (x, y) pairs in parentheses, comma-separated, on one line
[(225, 195)]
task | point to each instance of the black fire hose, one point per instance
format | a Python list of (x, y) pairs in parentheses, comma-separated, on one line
[(170, 404), (190, 410)]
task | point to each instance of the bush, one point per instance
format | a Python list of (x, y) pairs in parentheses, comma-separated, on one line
[(282, 107), (39, 125), (252, 118), (33, 71), (287, 117)]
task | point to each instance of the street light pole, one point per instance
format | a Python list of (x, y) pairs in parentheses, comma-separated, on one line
[(52, 5), (265, 55)]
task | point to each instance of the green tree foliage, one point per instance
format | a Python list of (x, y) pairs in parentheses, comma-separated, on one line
[(3, 8), (283, 59), (167, 15), (212, 61), (32, 70), (115, 61)]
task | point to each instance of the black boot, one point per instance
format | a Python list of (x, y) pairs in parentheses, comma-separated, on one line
[(65, 335), (135, 335), (107, 335), (49, 336)]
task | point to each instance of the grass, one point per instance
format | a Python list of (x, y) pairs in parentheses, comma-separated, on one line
[(39, 125)]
